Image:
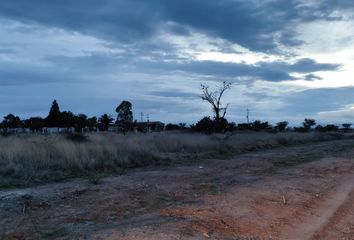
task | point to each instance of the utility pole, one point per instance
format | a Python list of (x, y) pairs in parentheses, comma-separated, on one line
[(148, 117), (248, 117)]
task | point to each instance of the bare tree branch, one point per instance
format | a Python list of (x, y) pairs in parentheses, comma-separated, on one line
[(214, 98)]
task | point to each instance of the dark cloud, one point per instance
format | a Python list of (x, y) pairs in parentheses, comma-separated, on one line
[(95, 82), (257, 25), (232, 70), (304, 65), (245, 22), (307, 65), (267, 71), (312, 77), (6, 51), (312, 101), (27, 75), (329, 6), (174, 93), (115, 20)]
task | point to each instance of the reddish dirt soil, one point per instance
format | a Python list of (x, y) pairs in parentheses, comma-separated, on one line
[(302, 192)]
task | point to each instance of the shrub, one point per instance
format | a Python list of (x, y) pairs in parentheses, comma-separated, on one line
[(76, 137), (205, 125), (308, 123), (346, 127), (259, 125), (327, 128), (53, 157), (281, 126)]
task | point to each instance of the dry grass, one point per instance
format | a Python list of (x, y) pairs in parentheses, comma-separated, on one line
[(33, 158)]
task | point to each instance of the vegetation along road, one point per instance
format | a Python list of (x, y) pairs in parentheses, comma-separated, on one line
[(290, 192)]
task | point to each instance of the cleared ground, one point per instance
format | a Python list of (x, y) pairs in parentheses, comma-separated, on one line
[(301, 192)]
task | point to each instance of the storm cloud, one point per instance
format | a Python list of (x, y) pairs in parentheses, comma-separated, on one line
[(157, 53)]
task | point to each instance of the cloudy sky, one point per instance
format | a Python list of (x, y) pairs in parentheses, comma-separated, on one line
[(287, 59)]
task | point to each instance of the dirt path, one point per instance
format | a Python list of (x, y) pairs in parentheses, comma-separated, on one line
[(303, 192), (337, 206), (341, 223)]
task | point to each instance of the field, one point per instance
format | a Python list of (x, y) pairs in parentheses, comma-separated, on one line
[(177, 186)]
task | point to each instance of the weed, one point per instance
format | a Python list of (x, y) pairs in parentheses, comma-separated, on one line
[(26, 159)]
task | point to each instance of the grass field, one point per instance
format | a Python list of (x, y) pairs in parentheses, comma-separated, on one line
[(240, 186), (26, 159)]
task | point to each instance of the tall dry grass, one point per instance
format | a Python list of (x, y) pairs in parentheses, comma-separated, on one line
[(52, 157)]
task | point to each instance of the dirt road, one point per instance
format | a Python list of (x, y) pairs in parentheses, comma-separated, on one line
[(302, 192), (331, 219)]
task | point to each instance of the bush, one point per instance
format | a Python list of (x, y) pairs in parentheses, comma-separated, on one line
[(281, 126), (301, 129), (208, 126), (243, 126), (173, 127), (346, 127), (327, 128), (44, 158), (205, 125), (308, 123), (258, 125), (76, 137)]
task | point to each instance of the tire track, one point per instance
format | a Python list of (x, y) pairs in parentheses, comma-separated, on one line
[(330, 212)]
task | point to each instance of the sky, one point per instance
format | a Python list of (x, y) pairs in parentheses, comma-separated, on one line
[(286, 59)]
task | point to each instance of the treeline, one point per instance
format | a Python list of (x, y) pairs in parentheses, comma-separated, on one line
[(208, 125), (58, 119), (66, 121), (125, 123)]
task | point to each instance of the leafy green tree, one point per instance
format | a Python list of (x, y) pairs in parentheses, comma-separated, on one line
[(259, 125), (125, 116), (281, 126), (54, 117), (35, 124), (67, 119), (125, 113), (92, 123), (346, 126), (327, 128), (308, 123), (81, 122), (11, 121), (172, 127), (104, 121), (205, 125)]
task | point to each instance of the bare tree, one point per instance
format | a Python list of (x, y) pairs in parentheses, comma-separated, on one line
[(214, 98)]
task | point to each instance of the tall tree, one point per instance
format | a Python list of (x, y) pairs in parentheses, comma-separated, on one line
[(67, 120), (281, 126), (125, 113), (214, 99), (346, 126), (309, 123), (54, 116), (81, 122), (92, 123), (125, 116), (104, 121), (11, 121), (35, 124)]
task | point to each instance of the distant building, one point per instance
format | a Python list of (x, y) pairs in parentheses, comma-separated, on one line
[(146, 127), (15, 130), (52, 130), (150, 126)]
